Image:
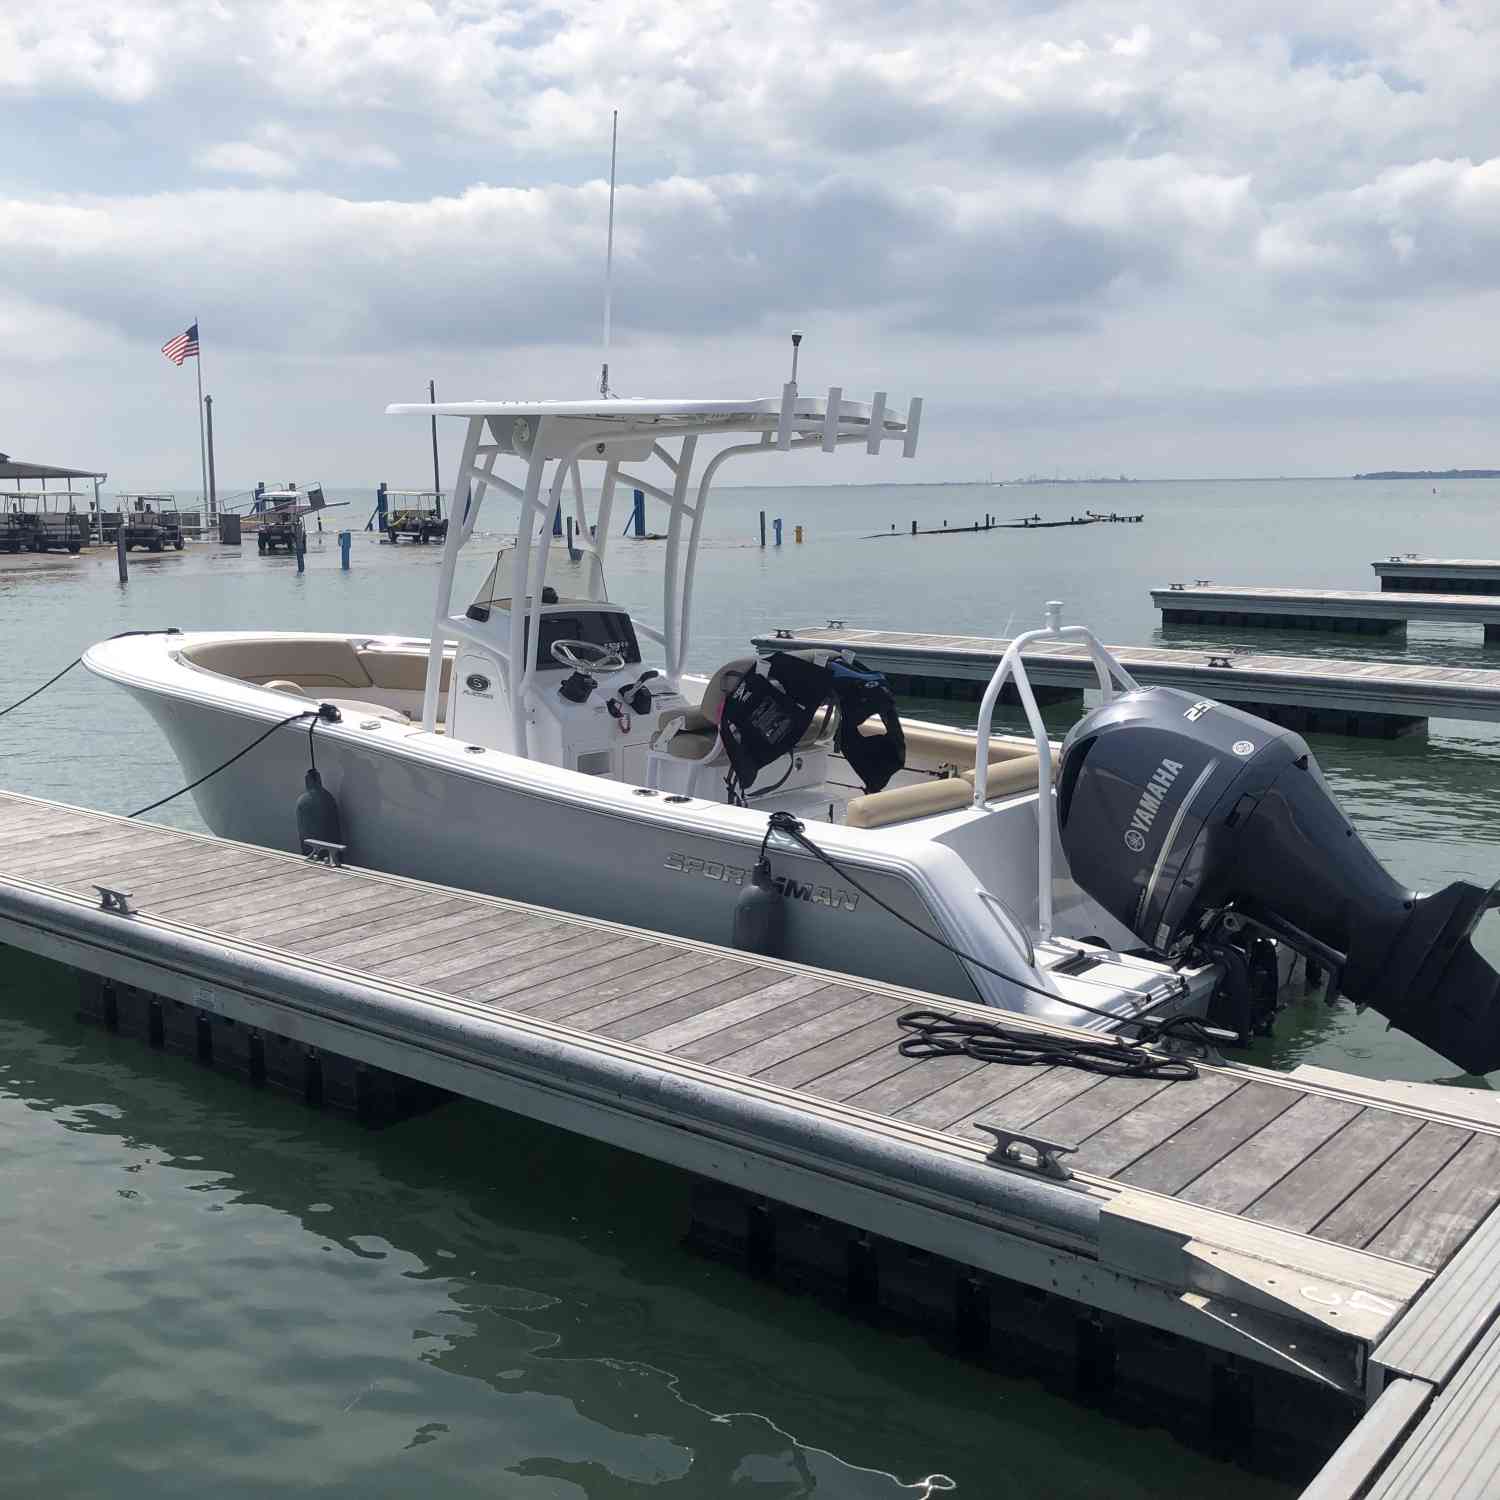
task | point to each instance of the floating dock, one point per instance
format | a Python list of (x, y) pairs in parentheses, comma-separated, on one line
[(1248, 1258), (1361, 611), (1381, 700), (1438, 575)]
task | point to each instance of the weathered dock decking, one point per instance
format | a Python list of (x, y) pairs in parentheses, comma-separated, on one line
[(1233, 1249), (1438, 575), (1306, 693), (1361, 611)]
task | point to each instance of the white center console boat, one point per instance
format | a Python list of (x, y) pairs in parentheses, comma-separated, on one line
[(552, 747)]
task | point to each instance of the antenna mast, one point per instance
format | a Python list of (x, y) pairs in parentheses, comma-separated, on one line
[(609, 253)]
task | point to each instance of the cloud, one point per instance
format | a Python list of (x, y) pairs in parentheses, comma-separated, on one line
[(280, 151), (1071, 196), (494, 265), (1430, 226), (246, 159)]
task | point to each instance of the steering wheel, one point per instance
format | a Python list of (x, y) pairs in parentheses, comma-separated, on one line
[(584, 656)]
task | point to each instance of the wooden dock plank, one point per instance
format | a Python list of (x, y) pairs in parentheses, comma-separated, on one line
[(966, 1095), (1207, 1140), (450, 952), (354, 932), (718, 1019), (624, 976), (34, 830), (566, 956), (31, 846), (397, 936), (278, 893), (1392, 1185), (1038, 1096), (661, 1011), (516, 948), (796, 1043), (864, 1073), (900, 1090), (1110, 1150), (875, 1035), (153, 866), (1442, 1214), (304, 926), (1078, 1119), (1257, 1164), (723, 1040), (64, 857), (631, 1016), (207, 880), (1324, 1178), (314, 902)]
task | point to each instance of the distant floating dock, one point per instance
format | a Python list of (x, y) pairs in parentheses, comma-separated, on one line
[(1438, 575), (1015, 523), (1358, 611), (1247, 1258), (1367, 699)]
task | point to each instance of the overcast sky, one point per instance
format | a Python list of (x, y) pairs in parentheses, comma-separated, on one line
[(1170, 237)]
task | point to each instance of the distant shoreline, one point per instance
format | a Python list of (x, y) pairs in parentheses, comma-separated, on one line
[(1431, 474)]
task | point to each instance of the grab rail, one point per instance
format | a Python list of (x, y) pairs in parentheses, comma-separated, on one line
[(1106, 668)]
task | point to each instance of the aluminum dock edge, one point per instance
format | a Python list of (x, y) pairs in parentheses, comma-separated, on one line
[(1438, 575), (1226, 1255), (1361, 611)]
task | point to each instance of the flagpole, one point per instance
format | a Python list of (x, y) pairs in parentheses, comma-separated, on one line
[(202, 441)]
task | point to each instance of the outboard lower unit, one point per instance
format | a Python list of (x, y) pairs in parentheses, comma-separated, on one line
[(1185, 818)]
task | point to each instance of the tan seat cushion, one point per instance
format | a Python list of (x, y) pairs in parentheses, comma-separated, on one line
[(312, 661), (692, 744), (901, 803), (927, 749), (406, 671), (716, 690), (1007, 778)]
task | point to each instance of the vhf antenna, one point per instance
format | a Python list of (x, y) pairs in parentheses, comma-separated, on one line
[(609, 253), (796, 349)]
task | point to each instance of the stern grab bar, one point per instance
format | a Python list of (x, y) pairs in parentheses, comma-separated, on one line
[(1011, 667)]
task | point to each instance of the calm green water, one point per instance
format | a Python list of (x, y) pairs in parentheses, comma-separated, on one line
[(208, 1288)]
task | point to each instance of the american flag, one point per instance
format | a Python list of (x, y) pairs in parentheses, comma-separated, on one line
[(184, 346)]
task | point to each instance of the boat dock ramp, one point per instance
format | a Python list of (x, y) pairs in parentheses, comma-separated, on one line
[(1257, 1260), (1382, 700), (1362, 611), (1438, 575)]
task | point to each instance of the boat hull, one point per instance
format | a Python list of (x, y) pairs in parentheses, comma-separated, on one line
[(424, 820)]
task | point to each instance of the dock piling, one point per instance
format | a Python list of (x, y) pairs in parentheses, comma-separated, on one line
[(120, 559), (346, 538), (763, 528)]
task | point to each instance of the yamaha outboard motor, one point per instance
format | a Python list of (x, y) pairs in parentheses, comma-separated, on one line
[(1182, 817)]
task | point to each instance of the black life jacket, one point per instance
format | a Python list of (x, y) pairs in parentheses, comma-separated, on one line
[(862, 694), (763, 719)]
